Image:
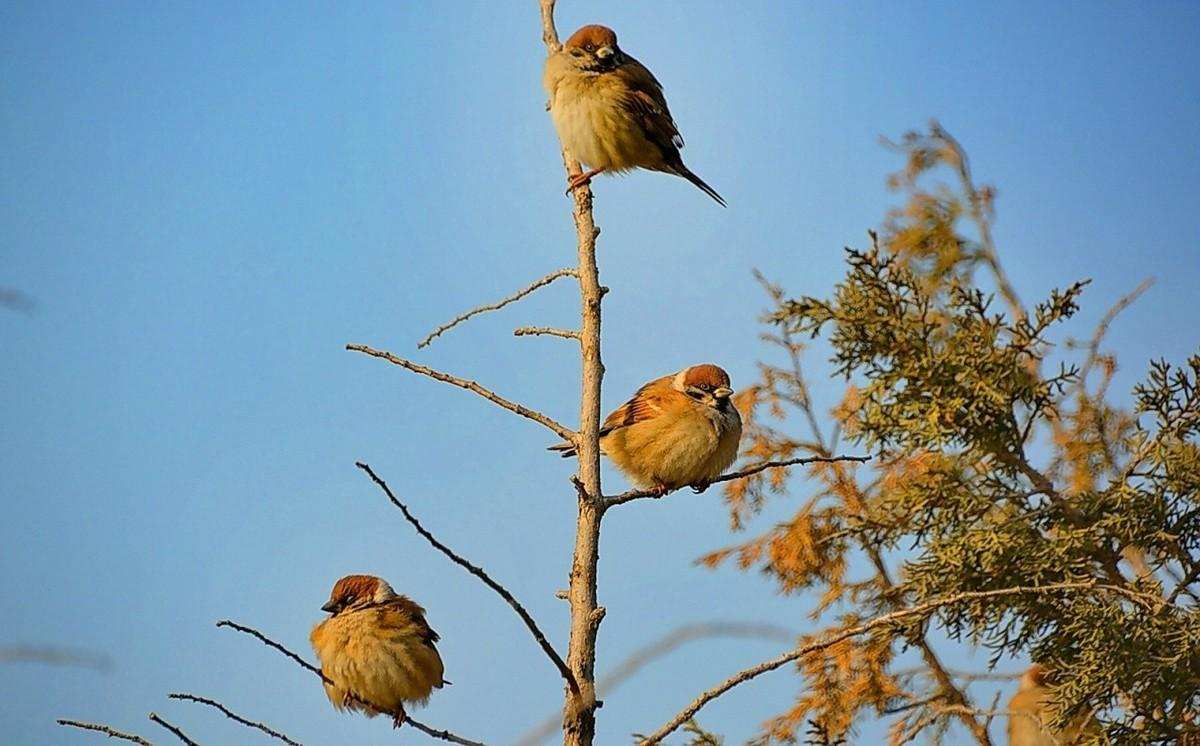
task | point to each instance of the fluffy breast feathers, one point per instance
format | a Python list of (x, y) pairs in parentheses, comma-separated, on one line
[(384, 654), (662, 437), (616, 120)]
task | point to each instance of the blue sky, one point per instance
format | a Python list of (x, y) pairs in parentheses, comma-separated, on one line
[(208, 200)]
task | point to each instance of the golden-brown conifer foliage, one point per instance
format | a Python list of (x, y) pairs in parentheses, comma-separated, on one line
[(1002, 459)]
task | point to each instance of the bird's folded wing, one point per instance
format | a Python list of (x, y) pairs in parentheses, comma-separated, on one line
[(645, 99), (405, 615), (649, 401)]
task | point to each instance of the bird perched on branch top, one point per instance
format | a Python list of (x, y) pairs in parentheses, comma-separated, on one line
[(376, 648), (677, 430), (610, 111)]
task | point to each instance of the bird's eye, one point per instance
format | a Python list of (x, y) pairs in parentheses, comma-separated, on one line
[(590, 47), (705, 386)]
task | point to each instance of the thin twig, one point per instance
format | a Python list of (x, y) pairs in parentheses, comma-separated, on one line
[(914, 704), (564, 272), (1093, 345), (479, 573), (444, 735), (106, 730), (471, 386), (968, 676), (610, 500), (271, 643), (528, 331), (884, 620), (174, 729), (976, 202), (233, 716), (643, 656)]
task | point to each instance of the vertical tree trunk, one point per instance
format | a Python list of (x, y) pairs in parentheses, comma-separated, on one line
[(579, 712), (580, 721)]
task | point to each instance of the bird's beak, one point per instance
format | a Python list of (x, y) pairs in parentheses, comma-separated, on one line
[(722, 392), (330, 607), (604, 52)]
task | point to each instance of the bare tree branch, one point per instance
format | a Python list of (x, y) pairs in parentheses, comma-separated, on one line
[(528, 331), (949, 690), (444, 735), (233, 716), (883, 620), (174, 729), (579, 721), (1093, 345), (478, 572), (271, 643), (643, 656), (968, 676), (565, 272), (463, 383), (106, 730), (55, 657), (977, 201), (610, 500)]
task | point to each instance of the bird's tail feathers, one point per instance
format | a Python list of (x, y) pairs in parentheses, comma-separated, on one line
[(686, 173)]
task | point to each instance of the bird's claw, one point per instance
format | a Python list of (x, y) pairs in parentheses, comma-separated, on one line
[(660, 490), (699, 487), (582, 179), (578, 181), (399, 718)]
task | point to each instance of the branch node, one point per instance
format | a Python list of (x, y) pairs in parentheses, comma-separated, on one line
[(539, 283)]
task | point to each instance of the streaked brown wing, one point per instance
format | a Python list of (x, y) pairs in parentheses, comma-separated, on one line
[(405, 614), (646, 403), (646, 100)]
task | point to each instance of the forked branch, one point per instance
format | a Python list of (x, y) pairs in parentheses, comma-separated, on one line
[(462, 383), (478, 572), (644, 656), (233, 716), (883, 620), (539, 283)]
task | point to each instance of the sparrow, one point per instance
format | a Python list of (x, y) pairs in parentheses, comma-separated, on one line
[(677, 430), (1029, 718), (376, 649), (610, 112)]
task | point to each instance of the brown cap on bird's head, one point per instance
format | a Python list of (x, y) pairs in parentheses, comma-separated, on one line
[(353, 590), (706, 374), (595, 35)]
